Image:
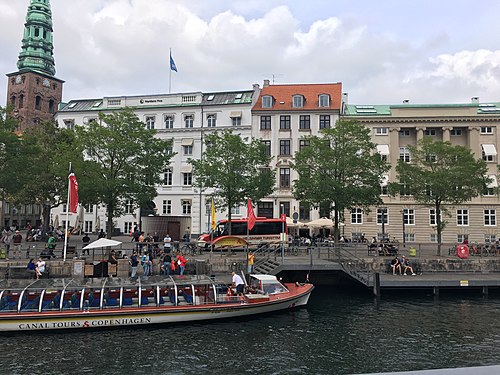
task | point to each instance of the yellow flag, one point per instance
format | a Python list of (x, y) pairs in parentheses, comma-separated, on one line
[(213, 223)]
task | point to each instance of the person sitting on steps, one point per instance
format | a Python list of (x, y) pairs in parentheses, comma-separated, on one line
[(396, 266), (406, 266)]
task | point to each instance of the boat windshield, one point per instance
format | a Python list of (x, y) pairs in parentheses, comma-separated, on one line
[(267, 284)]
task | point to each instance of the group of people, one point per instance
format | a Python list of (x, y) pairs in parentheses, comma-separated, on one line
[(401, 266), (37, 268), (169, 264)]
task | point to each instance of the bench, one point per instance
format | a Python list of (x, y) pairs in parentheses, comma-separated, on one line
[(19, 272)]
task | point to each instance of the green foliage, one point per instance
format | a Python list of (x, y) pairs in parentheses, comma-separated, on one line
[(441, 173), (339, 170), (124, 160), (10, 152), (234, 169)]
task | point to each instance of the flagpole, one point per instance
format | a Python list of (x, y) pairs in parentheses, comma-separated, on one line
[(170, 72), (67, 219)]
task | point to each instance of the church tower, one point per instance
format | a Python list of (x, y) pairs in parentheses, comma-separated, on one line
[(33, 92)]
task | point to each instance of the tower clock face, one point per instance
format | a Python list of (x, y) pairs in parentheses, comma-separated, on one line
[(18, 79), (46, 82)]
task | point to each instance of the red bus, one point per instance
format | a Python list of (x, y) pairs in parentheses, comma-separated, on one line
[(264, 231)]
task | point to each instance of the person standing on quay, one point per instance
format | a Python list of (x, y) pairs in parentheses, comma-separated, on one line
[(17, 238), (167, 243), (251, 261), (133, 263)]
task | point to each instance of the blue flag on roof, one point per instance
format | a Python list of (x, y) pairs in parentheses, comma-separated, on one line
[(172, 63)]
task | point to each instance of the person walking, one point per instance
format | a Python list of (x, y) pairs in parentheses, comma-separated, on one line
[(134, 262), (17, 239)]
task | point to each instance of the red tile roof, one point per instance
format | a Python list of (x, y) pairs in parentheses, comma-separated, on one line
[(283, 96)]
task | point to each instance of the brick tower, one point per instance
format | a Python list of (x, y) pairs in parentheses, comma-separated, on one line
[(33, 92)]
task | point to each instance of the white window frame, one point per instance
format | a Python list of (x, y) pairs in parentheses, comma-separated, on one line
[(486, 129), (211, 120), (379, 216), (404, 154), (357, 216), (129, 207), (150, 122), (168, 177), (456, 132), (409, 216), (188, 121), (405, 133), (267, 101), (186, 206), (169, 121), (462, 217), (381, 131), (490, 217), (324, 100), (298, 101), (187, 178), (236, 121), (490, 238), (430, 132), (187, 150), (166, 207)]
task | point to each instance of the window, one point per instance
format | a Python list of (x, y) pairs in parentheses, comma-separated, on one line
[(490, 217), (236, 121), (168, 177), (432, 216), (51, 105), (187, 179), (489, 152), (265, 122), (486, 130), (490, 238), (404, 133), (433, 237), (303, 143), (404, 154), (430, 158), (150, 122), (382, 215), (88, 227), (268, 147), (169, 150), (462, 237), (267, 101), (488, 192), (304, 211), (304, 122), (284, 177), (186, 207), (297, 101), (324, 100), (408, 216), (13, 100), (234, 210), (166, 207), (38, 103), (431, 132), (188, 121), (21, 101), (356, 216), (127, 227), (129, 206), (462, 217), (69, 124), (169, 122), (456, 132), (285, 122), (285, 208), (324, 121), (284, 147), (89, 208), (409, 237), (381, 131), (211, 121), (187, 150)]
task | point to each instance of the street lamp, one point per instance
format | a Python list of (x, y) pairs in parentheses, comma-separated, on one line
[(383, 211), (282, 213)]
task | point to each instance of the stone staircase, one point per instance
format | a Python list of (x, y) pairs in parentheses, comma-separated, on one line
[(266, 266)]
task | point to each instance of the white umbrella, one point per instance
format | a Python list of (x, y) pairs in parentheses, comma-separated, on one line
[(320, 223), (79, 220), (56, 222), (102, 242)]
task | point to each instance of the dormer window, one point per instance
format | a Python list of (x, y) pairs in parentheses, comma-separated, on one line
[(324, 100), (267, 101), (298, 101)]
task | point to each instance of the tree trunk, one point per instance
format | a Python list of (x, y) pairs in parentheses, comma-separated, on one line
[(45, 218), (438, 228), (109, 222)]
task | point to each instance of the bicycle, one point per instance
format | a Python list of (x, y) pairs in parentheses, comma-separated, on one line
[(190, 248)]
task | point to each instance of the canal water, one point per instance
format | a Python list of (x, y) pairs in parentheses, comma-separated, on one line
[(339, 332)]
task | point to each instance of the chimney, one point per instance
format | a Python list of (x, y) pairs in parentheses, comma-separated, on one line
[(266, 82), (345, 97), (474, 100)]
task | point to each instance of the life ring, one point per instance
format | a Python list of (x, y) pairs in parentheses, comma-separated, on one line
[(463, 251)]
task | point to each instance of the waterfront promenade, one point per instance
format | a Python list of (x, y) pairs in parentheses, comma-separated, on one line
[(352, 261)]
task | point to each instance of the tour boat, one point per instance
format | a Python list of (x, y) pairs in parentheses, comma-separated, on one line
[(50, 304)]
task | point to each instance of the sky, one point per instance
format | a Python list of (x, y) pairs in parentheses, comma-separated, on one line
[(383, 52)]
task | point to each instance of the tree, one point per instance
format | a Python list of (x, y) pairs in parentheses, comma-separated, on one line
[(234, 169), (339, 169), (9, 156), (124, 159), (440, 173), (45, 153)]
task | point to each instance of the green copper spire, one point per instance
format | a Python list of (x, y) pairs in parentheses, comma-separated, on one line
[(37, 49)]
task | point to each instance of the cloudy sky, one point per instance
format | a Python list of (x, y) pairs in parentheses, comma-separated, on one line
[(426, 51)]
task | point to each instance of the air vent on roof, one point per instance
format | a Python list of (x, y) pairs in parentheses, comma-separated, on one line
[(490, 109), (238, 96), (97, 104), (72, 105), (365, 107), (211, 97), (486, 105)]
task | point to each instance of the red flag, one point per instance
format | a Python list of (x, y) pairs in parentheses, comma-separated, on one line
[(73, 191), (250, 215)]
